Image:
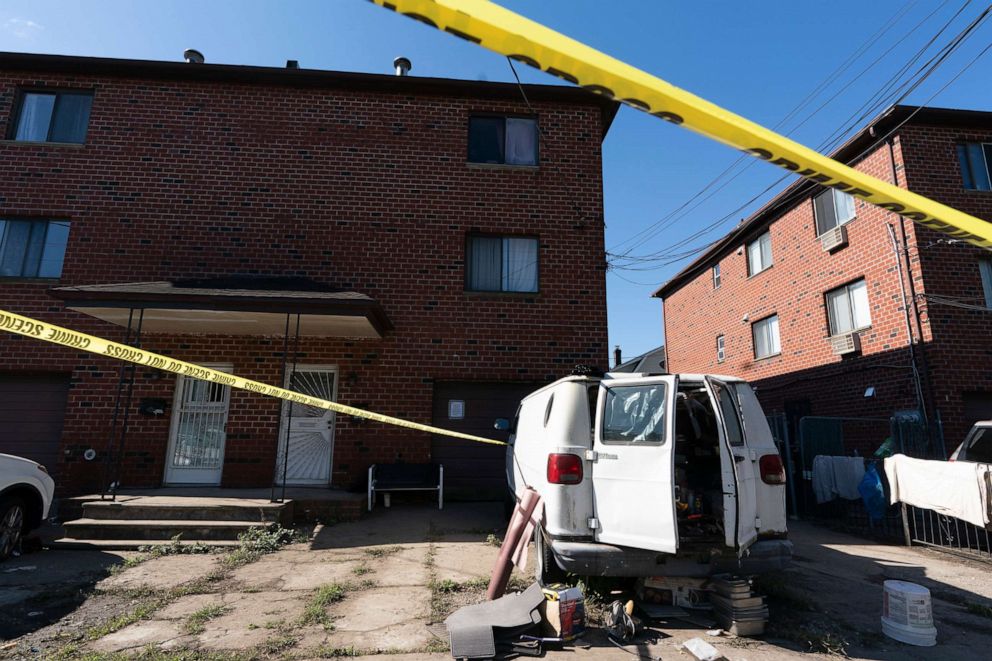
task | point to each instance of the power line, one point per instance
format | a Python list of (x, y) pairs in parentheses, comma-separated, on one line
[(666, 257)]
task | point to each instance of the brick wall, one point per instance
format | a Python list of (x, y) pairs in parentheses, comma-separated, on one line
[(957, 346), (358, 189), (960, 357)]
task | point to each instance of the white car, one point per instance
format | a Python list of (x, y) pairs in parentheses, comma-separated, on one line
[(26, 492), (977, 445), (645, 474)]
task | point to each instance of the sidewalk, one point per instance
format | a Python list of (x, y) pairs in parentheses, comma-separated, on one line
[(383, 584)]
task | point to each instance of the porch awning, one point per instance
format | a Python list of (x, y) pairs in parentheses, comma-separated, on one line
[(196, 308)]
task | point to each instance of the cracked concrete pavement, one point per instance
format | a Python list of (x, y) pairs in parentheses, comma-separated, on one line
[(386, 570)]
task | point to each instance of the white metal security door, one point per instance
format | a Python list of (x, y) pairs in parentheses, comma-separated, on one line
[(311, 430), (198, 432)]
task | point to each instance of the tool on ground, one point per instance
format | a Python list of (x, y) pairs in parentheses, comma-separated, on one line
[(505, 32)]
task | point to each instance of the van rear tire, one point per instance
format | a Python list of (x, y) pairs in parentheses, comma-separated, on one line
[(546, 569)]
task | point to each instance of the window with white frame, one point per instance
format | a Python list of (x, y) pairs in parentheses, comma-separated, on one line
[(501, 263), (832, 208), (716, 276), (53, 117), (32, 248), (759, 254), (974, 158), (847, 308), (985, 269), (503, 140), (720, 353), (766, 338)]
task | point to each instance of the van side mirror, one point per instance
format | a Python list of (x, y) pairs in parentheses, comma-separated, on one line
[(501, 424)]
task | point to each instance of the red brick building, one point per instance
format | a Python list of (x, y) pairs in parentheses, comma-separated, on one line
[(804, 297), (439, 242)]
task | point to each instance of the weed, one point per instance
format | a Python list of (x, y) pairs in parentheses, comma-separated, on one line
[(278, 644), (979, 609), (256, 542), (141, 612), (196, 621), (382, 551), (361, 570), (315, 611), (252, 626), (436, 646), (328, 652), (175, 547), (493, 540), (274, 624), (446, 586), (132, 561)]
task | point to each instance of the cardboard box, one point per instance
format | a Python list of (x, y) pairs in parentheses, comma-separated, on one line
[(563, 613)]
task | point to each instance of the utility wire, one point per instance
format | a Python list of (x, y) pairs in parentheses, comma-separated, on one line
[(656, 227), (666, 257)]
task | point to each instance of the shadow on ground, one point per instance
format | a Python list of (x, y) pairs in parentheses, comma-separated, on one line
[(41, 588), (413, 523)]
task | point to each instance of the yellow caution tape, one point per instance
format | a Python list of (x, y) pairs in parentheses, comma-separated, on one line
[(510, 34), (39, 330)]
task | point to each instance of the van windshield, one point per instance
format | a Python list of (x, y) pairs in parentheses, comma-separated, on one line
[(635, 414)]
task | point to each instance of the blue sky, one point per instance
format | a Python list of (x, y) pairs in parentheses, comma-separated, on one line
[(758, 58)]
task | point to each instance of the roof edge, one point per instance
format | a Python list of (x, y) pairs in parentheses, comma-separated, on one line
[(262, 75)]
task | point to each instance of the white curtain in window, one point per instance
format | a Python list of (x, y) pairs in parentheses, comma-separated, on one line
[(72, 118), (519, 264), (844, 206), (53, 253), (859, 304), (839, 310), (753, 257), (974, 169), (35, 117), (484, 263), (13, 247), (766, 339), (521, 141), (985, 268), (759, 254)]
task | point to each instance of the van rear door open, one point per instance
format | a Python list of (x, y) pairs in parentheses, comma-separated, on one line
[(633, 464), (738, 469)]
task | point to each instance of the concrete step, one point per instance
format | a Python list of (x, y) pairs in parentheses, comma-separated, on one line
[(157, 529), (149, 509), (132, 544)]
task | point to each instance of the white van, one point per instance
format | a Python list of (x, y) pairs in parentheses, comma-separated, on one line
[(647, 475)]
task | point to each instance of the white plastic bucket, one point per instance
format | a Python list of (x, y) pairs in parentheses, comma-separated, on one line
[(907, 615)]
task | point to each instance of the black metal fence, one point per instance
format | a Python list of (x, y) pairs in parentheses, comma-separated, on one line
[(904, 432), (946, 533)]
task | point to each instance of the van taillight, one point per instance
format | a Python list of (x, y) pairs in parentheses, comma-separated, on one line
[(564, 469), (771, 468)]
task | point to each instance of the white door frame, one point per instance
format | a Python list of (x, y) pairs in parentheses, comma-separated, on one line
[(283, 419), (174, 430)]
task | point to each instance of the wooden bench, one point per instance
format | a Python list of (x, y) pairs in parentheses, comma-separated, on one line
[(405, 477)]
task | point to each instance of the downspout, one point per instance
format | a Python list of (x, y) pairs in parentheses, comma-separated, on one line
[(914, 298), (909, 328)]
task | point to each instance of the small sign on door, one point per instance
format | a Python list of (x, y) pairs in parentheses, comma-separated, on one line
[(456, 409)]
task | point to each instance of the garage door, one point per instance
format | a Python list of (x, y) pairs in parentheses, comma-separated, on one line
[(474, 470), (32, 408)]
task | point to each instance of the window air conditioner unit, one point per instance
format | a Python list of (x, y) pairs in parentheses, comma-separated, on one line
[(845, 344), (834, 238)]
